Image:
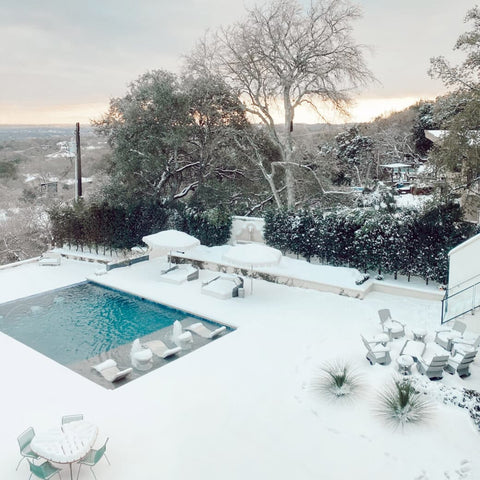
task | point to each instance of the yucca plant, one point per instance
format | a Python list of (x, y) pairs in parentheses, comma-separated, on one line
[(401, 404), (336, 380)]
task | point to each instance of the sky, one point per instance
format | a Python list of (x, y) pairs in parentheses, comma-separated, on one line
[(62, 61)]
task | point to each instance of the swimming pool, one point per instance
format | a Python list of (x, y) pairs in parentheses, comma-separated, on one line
[(82, 321)]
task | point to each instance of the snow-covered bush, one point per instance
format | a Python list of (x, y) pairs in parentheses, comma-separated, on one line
[(337, 380), (407, 241), (401, 403)]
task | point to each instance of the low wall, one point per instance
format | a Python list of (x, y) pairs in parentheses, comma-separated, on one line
[(360, 292)]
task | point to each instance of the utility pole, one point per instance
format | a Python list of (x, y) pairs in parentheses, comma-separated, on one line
[(78, 165)]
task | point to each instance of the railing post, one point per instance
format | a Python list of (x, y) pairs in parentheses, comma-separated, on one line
[(473, 298)]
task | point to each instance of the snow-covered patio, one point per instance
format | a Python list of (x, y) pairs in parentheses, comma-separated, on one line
[(241, 407)]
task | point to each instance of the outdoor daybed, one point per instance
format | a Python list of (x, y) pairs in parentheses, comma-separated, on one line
[(179, 273), (223, 286)]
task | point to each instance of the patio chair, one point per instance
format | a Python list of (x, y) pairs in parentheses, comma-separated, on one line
[(24, 440), (110, 372), (445, 336), (377, 353), (72, 418), (379, 339), (394, 328), (160, 349), (44, 471), (460, 363), (92, 458), (433, 366), (200, 329), (464, 345)]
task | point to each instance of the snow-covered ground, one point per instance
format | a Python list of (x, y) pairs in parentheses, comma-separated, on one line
[(241, 407)]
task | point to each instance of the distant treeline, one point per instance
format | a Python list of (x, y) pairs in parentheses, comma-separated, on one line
[(25, 132), (408, 242)]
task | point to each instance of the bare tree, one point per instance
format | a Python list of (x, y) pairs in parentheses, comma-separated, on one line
[(281, 57)]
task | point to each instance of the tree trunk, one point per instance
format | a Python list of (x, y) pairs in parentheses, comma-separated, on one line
[(288, 147)]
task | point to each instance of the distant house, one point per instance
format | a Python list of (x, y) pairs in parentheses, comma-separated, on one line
[(49, 188)]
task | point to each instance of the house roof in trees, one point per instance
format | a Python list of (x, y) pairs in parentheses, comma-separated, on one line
[(435, 136)]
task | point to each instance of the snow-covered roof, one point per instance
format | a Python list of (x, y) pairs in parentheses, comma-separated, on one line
[(435, 136), (396, 165)]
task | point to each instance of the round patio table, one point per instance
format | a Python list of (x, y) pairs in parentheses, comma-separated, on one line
[(405, 363), (66, 444), (419, 334)]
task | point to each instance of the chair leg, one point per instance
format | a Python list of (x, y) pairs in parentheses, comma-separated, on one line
[(18, 464), (79, 467), (94, 476), (106, 458)]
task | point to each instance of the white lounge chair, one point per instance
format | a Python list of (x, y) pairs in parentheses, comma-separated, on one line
[(109, 370), (460, 363), (446, 335), (432, 366), (394, 328), (179, 274), (465, 344), (377, 353), (160, 349), (200, 329)]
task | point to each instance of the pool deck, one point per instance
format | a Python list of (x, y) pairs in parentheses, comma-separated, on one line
[(240, 408)]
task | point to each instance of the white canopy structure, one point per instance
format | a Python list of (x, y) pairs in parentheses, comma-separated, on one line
[(252, 255), (162, 243)]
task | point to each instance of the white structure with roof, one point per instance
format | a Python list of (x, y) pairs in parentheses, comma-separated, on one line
[(463, 277)]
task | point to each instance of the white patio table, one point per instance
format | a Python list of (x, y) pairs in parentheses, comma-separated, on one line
[(66, 444)]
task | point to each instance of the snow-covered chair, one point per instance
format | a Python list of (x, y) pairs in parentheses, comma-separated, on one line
[(179, 274), (200, 329), (445, 336), (460, 363), (109, 370), (377, 353), (160, 349), (394, 328), (432, 366), (465, 344)]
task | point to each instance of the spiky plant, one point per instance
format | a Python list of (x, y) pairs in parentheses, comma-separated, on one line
[(336, 380), (401, 404)]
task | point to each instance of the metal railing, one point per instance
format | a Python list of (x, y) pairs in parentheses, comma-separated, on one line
[(461, 302)]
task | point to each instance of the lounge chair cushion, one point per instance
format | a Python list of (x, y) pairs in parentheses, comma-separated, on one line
[(109, 370), (200, 329), (161, 350), (106, 364)]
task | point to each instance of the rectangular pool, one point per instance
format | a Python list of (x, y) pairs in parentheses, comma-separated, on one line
[(81, 322)]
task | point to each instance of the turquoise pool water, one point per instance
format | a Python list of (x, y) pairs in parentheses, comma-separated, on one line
[(82, 321)]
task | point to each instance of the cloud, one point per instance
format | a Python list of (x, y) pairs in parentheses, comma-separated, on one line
[(60, 52)]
